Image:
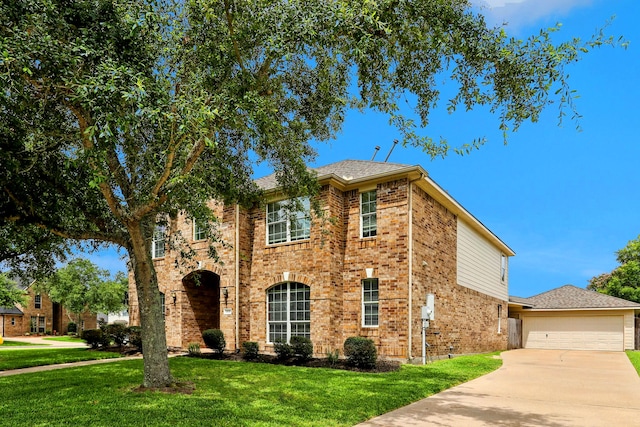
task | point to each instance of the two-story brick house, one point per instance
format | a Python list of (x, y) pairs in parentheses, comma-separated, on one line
[(395, 236), (40, 316)]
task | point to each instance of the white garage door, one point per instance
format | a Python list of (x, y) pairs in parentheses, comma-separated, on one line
[(574, 333)]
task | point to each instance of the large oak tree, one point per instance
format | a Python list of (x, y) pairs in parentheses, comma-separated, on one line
[(117, 114)]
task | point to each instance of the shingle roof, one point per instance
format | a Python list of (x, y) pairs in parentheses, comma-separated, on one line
[(10, 310), (346, 169), (572, 297)]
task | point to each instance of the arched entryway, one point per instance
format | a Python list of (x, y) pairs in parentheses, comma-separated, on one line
[(201, 308)]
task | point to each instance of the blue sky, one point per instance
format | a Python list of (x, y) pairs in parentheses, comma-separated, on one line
[(563, 200)]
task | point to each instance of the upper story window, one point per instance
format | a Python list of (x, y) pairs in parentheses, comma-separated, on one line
[(37, 301), (370, 302), (368, 221), (503, 267), (199, 231), (157, 243), (285, 224)]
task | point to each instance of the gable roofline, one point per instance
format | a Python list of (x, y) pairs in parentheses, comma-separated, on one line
[(572, 298), (334, 174)]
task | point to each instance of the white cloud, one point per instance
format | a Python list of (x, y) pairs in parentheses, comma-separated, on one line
[(521, 13)]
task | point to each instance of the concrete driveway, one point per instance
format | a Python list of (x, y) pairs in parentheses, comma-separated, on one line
[(40, 342), (535, 388)]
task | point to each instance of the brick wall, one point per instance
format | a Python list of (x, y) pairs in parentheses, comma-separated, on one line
[(466, 321), (333, 263)]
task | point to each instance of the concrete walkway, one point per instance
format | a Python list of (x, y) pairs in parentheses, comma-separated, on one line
[(550, 388), (40, 342)]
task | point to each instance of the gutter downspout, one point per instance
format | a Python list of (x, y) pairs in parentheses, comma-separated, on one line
[(410, 249), (237, 273)]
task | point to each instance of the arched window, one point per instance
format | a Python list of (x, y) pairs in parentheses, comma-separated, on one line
[(288, 311)]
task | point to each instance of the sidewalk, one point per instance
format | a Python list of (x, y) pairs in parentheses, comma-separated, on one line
[(40, 342), (64, 365)]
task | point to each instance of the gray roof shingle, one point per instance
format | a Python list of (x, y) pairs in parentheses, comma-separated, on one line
[(10, 310), (572, 297), (346, 169)]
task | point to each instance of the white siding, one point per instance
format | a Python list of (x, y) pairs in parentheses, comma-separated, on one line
[(479, 264), (629, 331)]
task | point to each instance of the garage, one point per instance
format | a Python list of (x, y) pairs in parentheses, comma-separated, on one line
[(574, 332), (571, 318)]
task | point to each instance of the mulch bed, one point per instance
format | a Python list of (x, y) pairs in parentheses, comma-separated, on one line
[(382, 365)]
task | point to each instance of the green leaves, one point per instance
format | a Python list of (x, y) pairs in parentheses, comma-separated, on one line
[(624, 280)]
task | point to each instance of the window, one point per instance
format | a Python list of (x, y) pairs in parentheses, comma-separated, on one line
[(37, 325), (368, 220), (370, 302), (13, 321), (162, 304), (199, 231), (503, 268), (288, 311), (37, 301), (157, 244), (284, 224), (499, 318)]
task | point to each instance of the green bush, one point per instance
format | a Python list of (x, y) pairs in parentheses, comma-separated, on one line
[(96, 338), (134, 336), (302, 347), (360, 352), (214, 339), (250, 350), (194, 349), (333, 357), (282, 349), (117, 332)]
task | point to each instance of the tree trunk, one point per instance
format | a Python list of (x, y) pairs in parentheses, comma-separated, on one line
[(154, 339)]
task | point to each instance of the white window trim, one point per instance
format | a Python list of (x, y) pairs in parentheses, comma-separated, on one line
[(503, 267), (370, 214), (376, 302), (305, 215), (288, 312), (155, 242), (196, 229), (499, 318), (37, 302)]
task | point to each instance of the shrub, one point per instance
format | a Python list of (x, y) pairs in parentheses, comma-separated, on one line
[(302, 347), (250, 350), (134, 336), (96, 338), (194, 349), (214, 339), (360, 352), (282, 349), (333, 357), (117, 332), (72, 328)]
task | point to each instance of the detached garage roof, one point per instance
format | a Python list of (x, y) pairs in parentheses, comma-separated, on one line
[(569, 297)]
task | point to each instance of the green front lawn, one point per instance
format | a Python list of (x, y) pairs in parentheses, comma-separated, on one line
[(16, 359), (65, 338), (226, 393), (8, 343), (634, 357)]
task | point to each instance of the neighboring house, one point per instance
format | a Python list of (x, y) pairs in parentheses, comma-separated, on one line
[(121, 317), (395, 236), (40, 316), (571, 318)]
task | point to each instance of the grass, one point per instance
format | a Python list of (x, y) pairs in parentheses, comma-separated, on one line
[(9, 343), (634, 357), (16, 359), (226, 393), (64, 339)]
